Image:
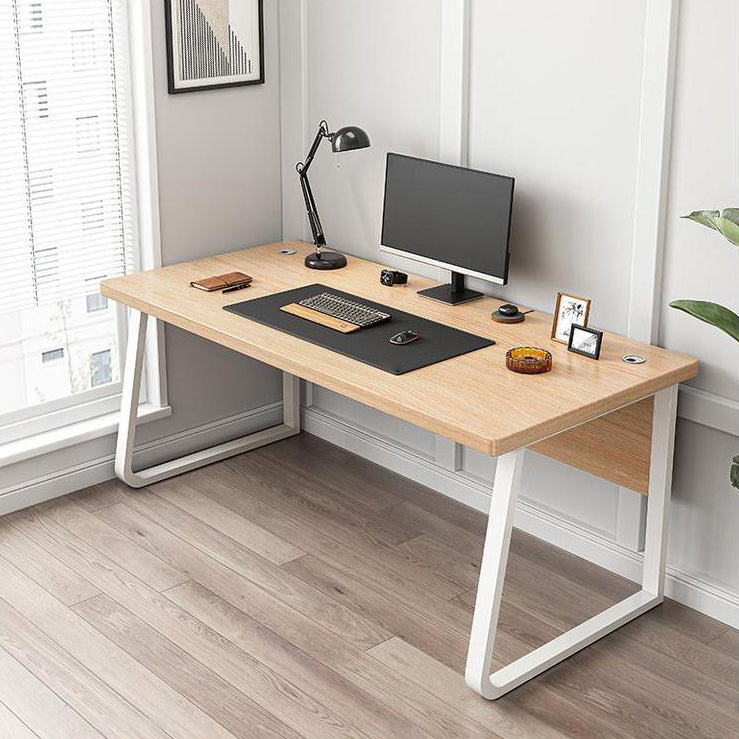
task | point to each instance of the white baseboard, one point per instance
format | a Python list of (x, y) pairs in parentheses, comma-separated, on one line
[(67, 480), (703, 596)]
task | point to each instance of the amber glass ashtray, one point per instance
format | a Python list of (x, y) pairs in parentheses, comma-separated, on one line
[(528, 360)]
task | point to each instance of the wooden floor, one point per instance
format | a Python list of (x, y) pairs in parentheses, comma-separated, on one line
[(300, 591)]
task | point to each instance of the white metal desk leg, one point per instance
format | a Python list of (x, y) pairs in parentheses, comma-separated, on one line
[(492, 571), (660, 489), (129, 406)]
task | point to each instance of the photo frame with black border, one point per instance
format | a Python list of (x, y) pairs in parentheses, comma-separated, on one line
[(203, 55), (577, 342)]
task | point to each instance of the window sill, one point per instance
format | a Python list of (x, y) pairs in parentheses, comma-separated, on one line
[(75, 433)]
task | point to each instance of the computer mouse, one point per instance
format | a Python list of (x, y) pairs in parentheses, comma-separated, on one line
[(508, 310), (404, 337)]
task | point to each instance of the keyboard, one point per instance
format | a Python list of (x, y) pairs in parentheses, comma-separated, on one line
[(344, 309)]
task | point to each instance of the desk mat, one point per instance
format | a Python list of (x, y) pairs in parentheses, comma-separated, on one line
[(371, 345)]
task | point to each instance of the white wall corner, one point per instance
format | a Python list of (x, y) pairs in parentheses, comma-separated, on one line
[(447, 453), (293, 41), (631, 519)]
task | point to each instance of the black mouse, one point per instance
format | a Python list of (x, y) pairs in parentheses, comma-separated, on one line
[(404, 337), (508, 310)]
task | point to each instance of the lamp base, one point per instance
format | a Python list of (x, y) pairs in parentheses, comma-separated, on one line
[(325, 260)]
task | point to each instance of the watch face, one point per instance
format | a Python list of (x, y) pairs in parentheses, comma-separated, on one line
[(386, 278)]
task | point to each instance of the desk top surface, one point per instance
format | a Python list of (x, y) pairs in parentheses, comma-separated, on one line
[(472, 399)]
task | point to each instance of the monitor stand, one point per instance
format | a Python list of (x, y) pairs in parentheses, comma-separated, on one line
[(453, 293)]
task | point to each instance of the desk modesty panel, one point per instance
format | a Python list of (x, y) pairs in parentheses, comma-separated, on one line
[(472, 399)]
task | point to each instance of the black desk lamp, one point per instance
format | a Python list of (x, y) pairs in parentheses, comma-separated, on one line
[(345, 139)]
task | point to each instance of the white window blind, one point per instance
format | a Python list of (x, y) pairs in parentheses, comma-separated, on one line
[(66, 191)]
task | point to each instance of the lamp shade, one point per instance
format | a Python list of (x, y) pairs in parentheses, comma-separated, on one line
[(349, 138)]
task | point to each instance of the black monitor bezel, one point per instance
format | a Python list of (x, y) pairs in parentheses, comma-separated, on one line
[(499, 279)]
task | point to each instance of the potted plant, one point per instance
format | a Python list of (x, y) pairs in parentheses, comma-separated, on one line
[(727, 224)]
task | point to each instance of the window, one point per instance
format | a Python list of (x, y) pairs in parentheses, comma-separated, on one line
[(100, 368), (69, 207), (52, 354), (96, 302)]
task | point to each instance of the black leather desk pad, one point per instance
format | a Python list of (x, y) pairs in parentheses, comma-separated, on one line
[(371, 345)]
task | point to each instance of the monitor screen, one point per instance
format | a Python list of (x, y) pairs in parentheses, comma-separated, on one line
[(455, 217)]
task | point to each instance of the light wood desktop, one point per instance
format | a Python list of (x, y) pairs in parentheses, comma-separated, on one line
[(612, 419)]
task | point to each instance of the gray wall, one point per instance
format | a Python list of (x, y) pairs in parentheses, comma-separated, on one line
[(219, 190)]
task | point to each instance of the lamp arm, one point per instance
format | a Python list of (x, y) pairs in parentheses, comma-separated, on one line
[(322, 133), (310, 204)]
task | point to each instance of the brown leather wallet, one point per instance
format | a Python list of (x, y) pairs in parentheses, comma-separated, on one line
[(219, 282)]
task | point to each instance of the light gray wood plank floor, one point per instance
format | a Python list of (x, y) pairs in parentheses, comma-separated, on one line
[(299, 591)]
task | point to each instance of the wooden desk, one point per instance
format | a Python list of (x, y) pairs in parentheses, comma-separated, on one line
[(610, 418)]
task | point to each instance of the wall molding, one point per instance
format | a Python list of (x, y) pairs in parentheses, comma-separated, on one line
[(709, 409), (650, 206), (294, 114), (147, 215), (454, 103), (705, 596), (69, 479), (652, 169)]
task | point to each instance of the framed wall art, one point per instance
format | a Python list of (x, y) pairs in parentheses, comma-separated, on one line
[(214, 43)]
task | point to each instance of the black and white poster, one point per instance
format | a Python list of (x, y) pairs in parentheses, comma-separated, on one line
[(214, 43)]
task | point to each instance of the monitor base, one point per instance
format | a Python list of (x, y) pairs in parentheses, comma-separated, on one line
[(447, 294)]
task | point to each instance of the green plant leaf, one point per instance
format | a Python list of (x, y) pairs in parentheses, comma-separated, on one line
[(730, 216), (713, 313), (726, 223), (704, 217), (734, 472)]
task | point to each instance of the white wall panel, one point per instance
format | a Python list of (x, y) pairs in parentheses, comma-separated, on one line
[(704, 173), (377, 422), (554, 101), (375, 65), (704, 518), (551, 485)]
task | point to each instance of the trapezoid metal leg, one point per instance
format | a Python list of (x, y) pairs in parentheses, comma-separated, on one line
[(129, 406), (495, 555)]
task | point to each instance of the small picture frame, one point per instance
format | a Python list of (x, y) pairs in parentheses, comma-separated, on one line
[(568, 310), (585, 341)]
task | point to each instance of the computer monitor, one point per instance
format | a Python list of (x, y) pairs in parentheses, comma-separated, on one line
[(452, 217)]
